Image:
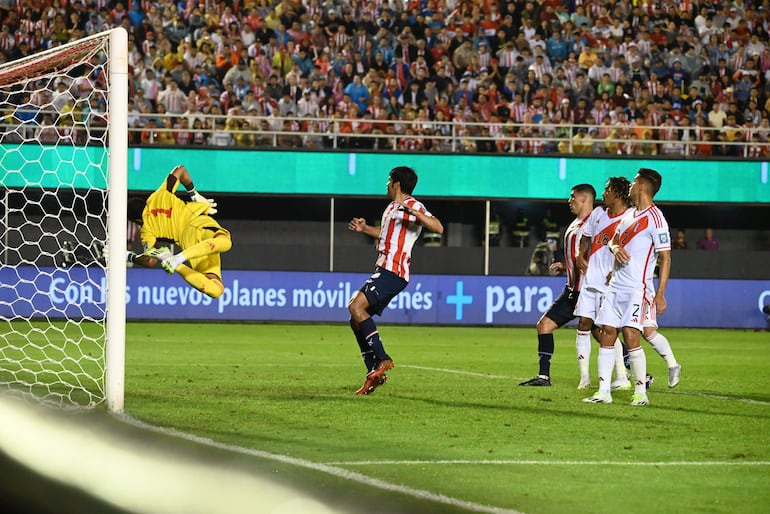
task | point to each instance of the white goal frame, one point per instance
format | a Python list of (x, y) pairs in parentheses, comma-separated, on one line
[(117, 184)]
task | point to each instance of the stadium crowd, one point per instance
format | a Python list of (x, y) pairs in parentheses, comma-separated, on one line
[(642, 77)]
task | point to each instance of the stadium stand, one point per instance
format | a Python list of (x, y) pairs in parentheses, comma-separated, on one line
[(654, 77)]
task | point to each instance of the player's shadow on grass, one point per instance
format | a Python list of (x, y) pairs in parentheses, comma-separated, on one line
[(590, 412)]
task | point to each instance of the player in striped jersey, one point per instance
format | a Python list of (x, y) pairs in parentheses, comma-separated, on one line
[(596, 262), (641, 237), (402, 222), (581, 203)]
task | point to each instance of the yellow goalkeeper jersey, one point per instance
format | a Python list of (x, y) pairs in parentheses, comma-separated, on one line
[(165, 216)]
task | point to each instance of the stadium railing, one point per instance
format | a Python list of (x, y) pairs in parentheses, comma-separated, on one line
[(417, 135)]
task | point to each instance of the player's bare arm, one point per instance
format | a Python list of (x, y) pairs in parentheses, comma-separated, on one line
[(557, 267), (664, 271), (181, 174), (359, 225), (430, 223)]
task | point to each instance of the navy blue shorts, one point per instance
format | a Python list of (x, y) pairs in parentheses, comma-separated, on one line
[(562, 311), (380, 289)]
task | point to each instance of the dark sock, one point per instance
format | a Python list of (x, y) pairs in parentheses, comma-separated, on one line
[(545, 352), (366, 353), (626, 360), (372, 339)]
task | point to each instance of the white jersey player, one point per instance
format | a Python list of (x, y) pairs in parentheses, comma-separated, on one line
[(597, 262), (641, 238)]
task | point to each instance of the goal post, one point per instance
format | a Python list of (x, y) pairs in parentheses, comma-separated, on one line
[(63, 175), (115, 361)]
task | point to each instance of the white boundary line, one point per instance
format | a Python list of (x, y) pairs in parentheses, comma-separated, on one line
[(717, 397), (328, 469), (514, 462)]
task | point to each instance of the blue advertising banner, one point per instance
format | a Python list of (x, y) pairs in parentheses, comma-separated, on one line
[(323, 297)]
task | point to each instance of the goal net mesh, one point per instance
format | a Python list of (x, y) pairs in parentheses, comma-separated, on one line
[(54, 175)]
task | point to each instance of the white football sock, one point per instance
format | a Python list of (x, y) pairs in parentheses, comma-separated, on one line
[(606, 359), (662, 346), (620, 365), (638, 369), (583, 347)]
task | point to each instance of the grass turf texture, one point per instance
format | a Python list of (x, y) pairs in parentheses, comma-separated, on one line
[(453, 395)]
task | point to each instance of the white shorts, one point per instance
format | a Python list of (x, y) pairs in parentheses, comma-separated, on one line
[(622, 309), (589, 303)]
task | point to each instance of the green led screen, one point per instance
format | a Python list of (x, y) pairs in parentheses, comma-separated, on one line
[(364, 174)]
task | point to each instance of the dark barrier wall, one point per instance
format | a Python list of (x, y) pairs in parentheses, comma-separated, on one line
[(470, 261)]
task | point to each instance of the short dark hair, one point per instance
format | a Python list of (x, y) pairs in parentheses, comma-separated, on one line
[(620, 186), (652, 178), (585, 188), (405, 176), (135, 208)]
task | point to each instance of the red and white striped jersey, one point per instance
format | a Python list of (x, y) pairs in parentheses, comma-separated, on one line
[(643, 235), (600, 227), (398, 234), (571, 248)]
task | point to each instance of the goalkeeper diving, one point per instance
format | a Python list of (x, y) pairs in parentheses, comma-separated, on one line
[(183, 218)]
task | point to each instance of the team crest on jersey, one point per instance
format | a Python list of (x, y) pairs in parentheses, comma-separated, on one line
[(663, 238)]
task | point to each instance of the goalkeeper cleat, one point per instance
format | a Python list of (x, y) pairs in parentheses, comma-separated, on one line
[(159, 253), (674, 375), (168, 265), (599, 397), (639, 399)]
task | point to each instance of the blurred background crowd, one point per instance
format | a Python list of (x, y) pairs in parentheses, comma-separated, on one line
[(642, 77)]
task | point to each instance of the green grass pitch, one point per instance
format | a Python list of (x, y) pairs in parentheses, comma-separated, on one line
[(452, 421)]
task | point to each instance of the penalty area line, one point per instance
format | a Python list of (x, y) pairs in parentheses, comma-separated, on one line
[(325, 468), (458, 372), (514, 462)]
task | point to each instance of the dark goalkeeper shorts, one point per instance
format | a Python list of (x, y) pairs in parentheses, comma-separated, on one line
[(380, 289), (562, 310)]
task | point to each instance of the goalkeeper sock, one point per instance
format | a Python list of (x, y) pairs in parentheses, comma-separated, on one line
[(207, 286), (207, 247)]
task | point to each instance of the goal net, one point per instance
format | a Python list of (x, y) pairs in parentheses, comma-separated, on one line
[(63, 164)]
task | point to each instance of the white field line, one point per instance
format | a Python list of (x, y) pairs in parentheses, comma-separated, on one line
[(717, 397), (328, 469), (459, 372), (514, 462)]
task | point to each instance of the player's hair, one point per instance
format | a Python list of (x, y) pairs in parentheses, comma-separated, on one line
[(585, 188), (652, 178), (405, 176), (621, 187), (135, 208)]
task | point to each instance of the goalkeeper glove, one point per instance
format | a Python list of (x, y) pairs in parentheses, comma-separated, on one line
[(130, 259), (195, 196)]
